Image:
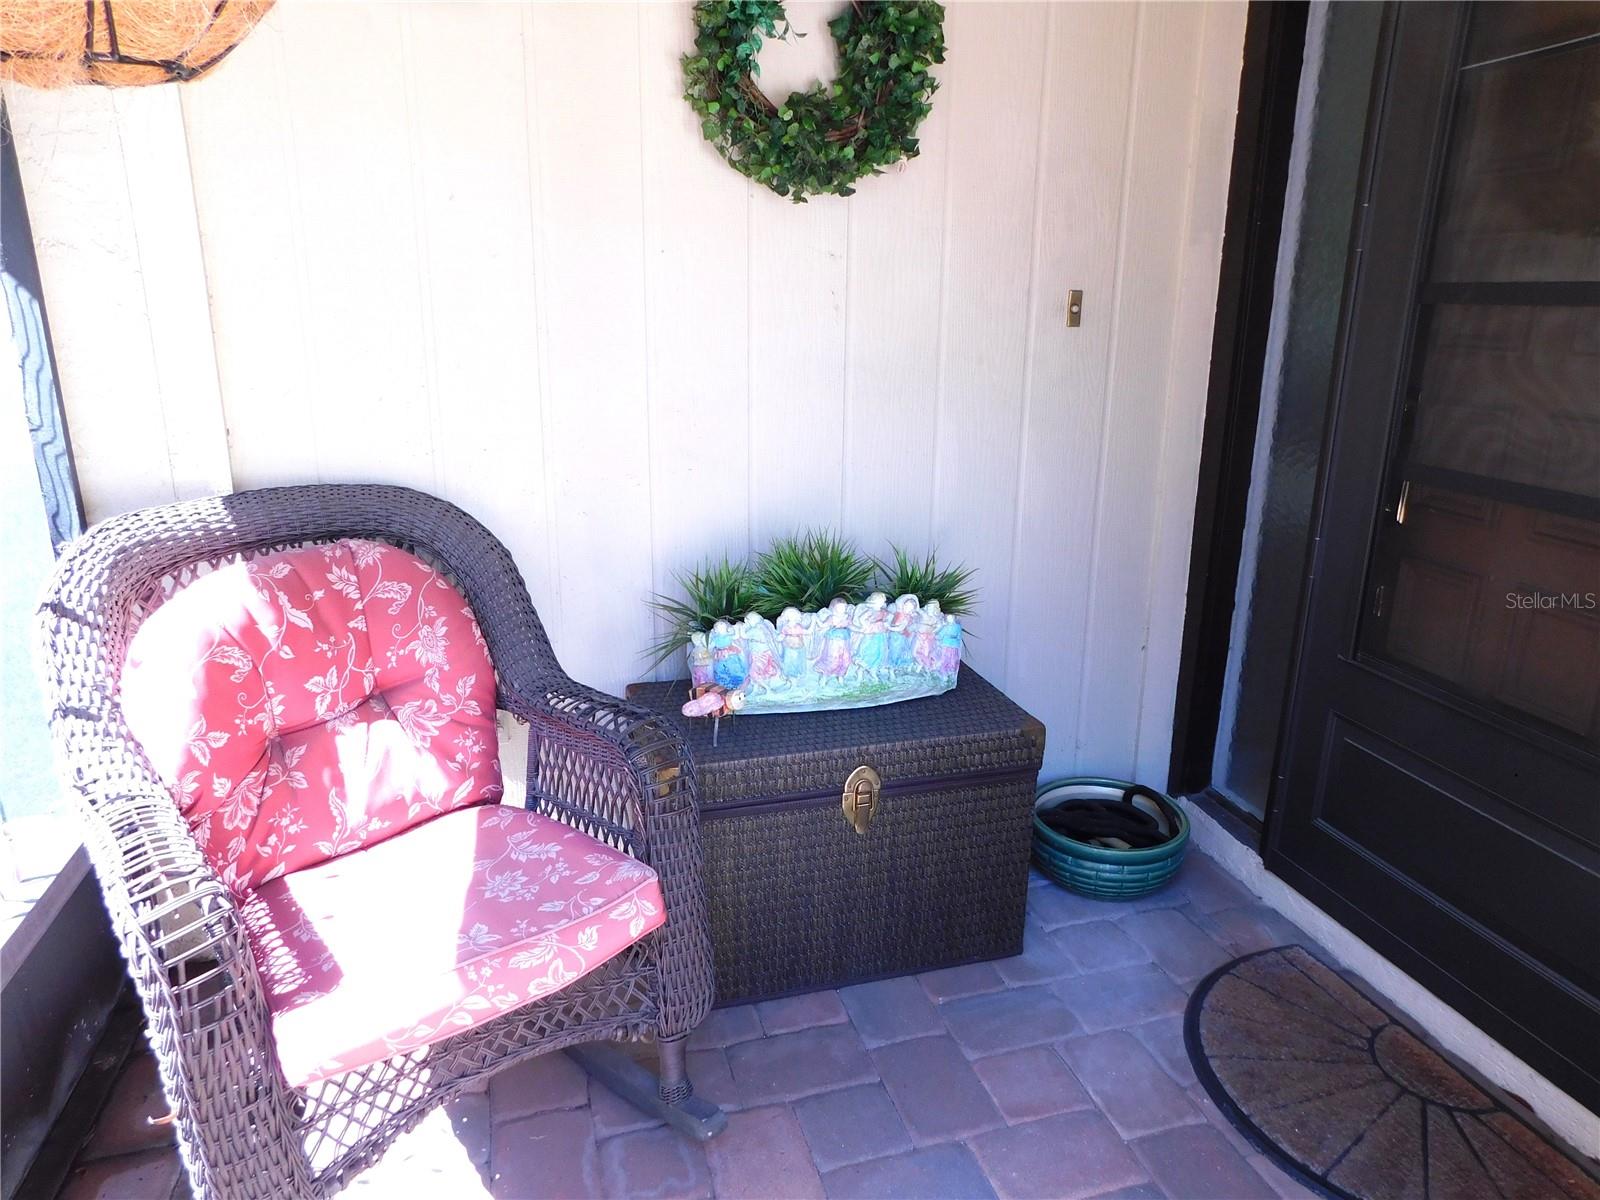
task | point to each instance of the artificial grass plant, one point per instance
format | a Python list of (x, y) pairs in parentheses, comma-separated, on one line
[(805, 571)]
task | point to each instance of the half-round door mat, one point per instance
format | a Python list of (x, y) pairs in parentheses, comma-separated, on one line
[(1344, 1098)]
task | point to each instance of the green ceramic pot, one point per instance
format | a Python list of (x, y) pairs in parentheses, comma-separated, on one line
[(1102, 871)]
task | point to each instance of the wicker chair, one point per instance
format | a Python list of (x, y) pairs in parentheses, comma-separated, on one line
[(604, 766)]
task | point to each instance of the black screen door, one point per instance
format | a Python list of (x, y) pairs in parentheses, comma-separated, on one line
[(1440, 783)]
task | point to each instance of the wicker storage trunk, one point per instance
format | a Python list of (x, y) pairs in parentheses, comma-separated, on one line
[(799, 899)]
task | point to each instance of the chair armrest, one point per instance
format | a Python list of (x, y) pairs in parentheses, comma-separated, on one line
[(163, 894), (179, 924), (617, 771), (604, 760), (207, 1020), (181, 931)]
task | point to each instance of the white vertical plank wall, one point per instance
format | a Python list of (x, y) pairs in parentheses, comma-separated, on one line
[(120, 261), (476, 252), (589, 215), (697, 292), (989, 206), (262, 308), (895, 261), (427, 244), (1116, 625), (1067, 404), (797, 322), (351, 142)]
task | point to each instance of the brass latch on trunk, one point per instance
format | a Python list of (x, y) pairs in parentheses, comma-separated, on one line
[(861, 797)]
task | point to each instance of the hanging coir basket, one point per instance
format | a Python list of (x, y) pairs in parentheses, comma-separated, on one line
[(57, 43)]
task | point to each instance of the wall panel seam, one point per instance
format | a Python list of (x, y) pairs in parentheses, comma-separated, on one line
[(749, 370), (1174, 342), (1041, 139), (427, 312), (644, 309), (844, 370), (298, 225), (144, 290), (537, 248), (205, 282), (942, 317), (1113, 345)]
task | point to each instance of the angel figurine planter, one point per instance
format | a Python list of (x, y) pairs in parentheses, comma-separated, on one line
[(842, 656)]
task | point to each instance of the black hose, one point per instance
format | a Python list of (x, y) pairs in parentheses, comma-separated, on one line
[(1117, 822)]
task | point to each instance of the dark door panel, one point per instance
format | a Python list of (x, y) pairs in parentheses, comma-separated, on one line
[(1439, 786), (1441, 727), (1545, 1019), (1458, 846)]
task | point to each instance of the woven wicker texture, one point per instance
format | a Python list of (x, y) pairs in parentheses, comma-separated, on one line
[(799, 900), (973, 728), (605, 766)]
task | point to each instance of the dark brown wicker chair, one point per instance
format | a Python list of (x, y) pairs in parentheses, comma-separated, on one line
[(598, 763)]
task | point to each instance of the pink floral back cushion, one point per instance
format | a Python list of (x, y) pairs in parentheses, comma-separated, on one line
[(310, 702)]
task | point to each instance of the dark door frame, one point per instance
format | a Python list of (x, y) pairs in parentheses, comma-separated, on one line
[(1269, 87), (1415, 741), (1228, 454)]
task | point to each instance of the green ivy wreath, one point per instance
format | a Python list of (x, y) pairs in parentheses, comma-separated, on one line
[(824, 139)]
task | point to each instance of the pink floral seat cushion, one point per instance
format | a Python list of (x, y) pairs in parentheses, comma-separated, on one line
[(310, 702), (362, 962)]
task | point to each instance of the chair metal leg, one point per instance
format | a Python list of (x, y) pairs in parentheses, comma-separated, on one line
[(684, 1111), (674, 1058)]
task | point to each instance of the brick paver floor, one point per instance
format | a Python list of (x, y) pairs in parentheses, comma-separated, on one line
[(1059, 1073)]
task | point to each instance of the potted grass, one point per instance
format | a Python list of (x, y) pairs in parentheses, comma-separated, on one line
[(813, 623)]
